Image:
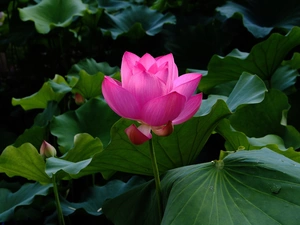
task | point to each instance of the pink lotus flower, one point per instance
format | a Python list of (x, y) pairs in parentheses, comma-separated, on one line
[(153, 94)]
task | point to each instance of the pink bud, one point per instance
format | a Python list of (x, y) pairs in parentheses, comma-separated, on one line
[(79, 99), (47, 150)]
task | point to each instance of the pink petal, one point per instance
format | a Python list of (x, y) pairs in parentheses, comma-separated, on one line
[(138, 135), (187, 84), (163, 73), (172, 68), (190, 108), (145, 86), (119, 99), (159, 111), (164, 130), (128, 63), (153, 69), (147, 61)]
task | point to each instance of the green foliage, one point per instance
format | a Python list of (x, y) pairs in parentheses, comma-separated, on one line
[(260, 17), (24, 161), (40, 99), (247, 186), (24, 196), (263, 60), (94, 197), (137, 21), (67, 125)]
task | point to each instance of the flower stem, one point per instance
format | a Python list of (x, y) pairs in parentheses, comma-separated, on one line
[(157, 180), (58, 206)]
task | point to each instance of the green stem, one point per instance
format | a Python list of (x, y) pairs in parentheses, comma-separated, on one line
[(157, 179), (58, 206)]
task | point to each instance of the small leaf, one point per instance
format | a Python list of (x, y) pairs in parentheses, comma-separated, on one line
[(24, 196), (52, 13), (24, 161), (34, 135)]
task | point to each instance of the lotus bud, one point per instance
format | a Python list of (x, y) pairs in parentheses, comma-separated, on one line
[(2, 18), (79, 99), (47, 150)]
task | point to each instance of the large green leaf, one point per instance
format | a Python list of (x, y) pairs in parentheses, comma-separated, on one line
[(85, 147), (263, 60), (89, 86), (34, 135), (52, 13), (249, 89), (143, 196), (137, 21), (180, 148), (63, 169), (260, 17), (94, 117), (92, 67), (43, 119), (24, 196), (247, 187), (24, 161), (284, 77), (263, 118), (40, 99)]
